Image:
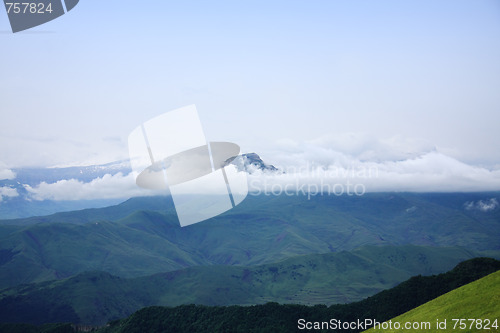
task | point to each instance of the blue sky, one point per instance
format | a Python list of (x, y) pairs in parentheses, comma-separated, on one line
[(412, 77)]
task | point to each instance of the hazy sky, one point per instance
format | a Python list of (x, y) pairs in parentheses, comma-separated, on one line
[(375, 80)]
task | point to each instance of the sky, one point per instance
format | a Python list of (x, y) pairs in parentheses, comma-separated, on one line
[(398, 84)]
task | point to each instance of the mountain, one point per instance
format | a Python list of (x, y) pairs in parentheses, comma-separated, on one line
[(477, 301), (126, 241), (251, 162), (110, 213), (35, 176), (23, 205), (97, 297)]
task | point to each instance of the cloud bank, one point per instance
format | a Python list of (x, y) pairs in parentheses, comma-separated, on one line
[(345, 164), (7, 192), (106, 187), (374, 165), (6, 173)]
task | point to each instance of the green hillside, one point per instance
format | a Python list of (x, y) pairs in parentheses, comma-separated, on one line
[(111, 213), (96, 297), (477, 300), (272, 317), (142, 236)]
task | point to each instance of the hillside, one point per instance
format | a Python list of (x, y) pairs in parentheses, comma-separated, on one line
[(142, 236), (477, 300), (272, 317), (109, 213), (96, 297)]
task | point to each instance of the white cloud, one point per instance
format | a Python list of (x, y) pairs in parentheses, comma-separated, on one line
[(6, 173), (367, 147), (106, 187), (481, 205), (8, 192), (394, 164), (488, 205), (315, 170), (353, 163)]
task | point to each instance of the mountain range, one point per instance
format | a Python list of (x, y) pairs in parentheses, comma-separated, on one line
[(93, 265), (22, 203), (142, 235)]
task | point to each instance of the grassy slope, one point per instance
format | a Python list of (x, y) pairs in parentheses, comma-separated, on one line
[(477, 300)]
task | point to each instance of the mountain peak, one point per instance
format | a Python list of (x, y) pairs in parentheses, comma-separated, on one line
[(250, 162)]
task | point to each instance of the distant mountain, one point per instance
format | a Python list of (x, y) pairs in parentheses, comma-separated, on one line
[(34, 176), (129, 242), (23, 205), (251, 162), (162, 204)]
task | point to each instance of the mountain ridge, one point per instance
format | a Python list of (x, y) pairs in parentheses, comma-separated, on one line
[(126, 241), (344, 277), (23, 205)]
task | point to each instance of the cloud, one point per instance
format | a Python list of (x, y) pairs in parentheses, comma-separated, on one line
[(6, 173), (352, 160), (349, 163), (7, 192), (484, 206), (106, 187), (367, 147)]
